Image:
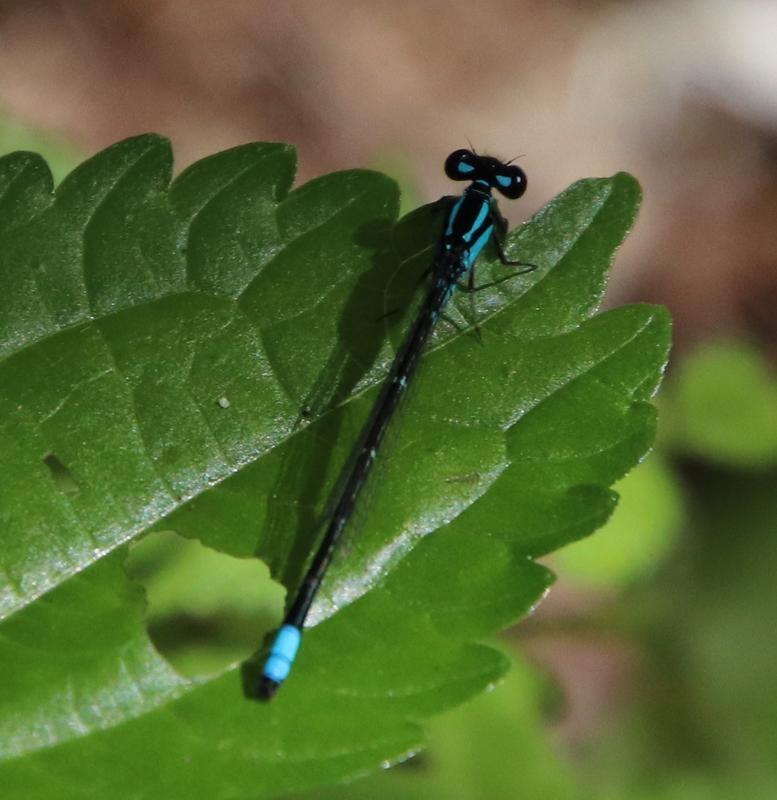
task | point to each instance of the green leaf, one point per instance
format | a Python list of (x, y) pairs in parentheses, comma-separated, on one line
[(158, 342)]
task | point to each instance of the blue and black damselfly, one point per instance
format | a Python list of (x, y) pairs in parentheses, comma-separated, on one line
[(472, 222)]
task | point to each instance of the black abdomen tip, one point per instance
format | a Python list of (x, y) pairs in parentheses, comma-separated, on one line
[(267, 688)]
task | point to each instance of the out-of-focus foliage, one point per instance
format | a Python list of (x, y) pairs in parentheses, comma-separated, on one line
[(60, 156), (703, 716), (723, 406), (704, 713)]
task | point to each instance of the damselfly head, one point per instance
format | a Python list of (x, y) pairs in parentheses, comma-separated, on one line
[(465, 165)]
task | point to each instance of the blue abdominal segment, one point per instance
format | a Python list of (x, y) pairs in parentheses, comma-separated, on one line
[(282, 653)]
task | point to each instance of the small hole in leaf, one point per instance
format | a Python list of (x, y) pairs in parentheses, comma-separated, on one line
[(61, 475), (206, 610)]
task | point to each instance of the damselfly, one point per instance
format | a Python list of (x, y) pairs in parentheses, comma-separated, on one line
[(473, 220)]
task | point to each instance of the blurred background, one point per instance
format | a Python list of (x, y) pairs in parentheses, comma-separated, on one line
[(649, 672)]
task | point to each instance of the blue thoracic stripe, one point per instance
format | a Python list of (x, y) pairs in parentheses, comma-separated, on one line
[(479, 244), (453, 215), (485, 207), (471, 223)]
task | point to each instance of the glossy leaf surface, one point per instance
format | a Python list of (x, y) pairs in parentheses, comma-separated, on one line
[(199, 356)]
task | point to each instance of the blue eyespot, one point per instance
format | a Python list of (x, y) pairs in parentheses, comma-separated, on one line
[(504, 180), (463, 167)]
